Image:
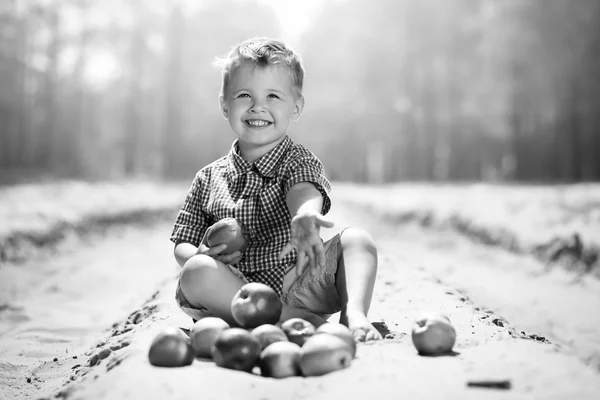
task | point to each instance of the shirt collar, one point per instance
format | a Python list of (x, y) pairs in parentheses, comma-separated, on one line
[(265, 166)]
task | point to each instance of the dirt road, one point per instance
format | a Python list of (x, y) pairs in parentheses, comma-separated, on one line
[(542, 300), (514, 321)]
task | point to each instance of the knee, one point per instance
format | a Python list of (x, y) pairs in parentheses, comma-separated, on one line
[(195, 273), (357, 238)]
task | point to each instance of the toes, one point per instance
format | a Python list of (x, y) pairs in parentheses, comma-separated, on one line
[(360, 335), (370, 336), (366, 334), (373, 334)]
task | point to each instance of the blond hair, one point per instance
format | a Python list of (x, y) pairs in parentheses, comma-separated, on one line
[(262, 52)]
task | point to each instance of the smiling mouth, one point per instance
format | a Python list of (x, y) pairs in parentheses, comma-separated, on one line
[(258, 123)]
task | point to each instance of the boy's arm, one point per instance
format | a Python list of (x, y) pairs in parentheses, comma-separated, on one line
[(305, 203), (184, 251), (304, 196), (191, 223)]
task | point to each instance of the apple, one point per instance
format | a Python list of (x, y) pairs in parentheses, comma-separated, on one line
[(236, 348), (340, 331), (228, 231), (255, 304), (433, 334), (267, 334), (298, 330), (280, 360), (171, 348), (204, 333), (324, 353)]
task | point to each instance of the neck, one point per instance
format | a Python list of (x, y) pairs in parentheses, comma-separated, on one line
[(252, 153)]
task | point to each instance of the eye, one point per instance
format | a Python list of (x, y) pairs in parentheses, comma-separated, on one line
[(243, 95), (273, 96)]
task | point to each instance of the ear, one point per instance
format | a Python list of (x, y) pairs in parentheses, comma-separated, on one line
[(223, 106), (298, 107)]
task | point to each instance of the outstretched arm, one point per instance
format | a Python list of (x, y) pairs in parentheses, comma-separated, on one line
[(305, 202)]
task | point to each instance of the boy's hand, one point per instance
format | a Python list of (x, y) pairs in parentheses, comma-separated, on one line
[(215, 252), (306, 240)]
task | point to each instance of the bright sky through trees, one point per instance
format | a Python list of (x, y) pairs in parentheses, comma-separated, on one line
[(103, 67), (295, 16)]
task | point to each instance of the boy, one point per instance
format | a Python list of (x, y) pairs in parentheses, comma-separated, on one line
[(278, 191)]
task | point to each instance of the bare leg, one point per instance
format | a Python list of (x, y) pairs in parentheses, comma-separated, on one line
[(355, 280), (209, 283)]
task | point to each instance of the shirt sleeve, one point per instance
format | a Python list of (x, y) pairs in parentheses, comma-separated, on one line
[(310, 169), (191, 221)]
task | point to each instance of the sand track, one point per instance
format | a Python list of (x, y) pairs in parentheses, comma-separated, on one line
[(503, 333)]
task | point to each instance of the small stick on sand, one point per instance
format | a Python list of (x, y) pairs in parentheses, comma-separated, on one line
[(491, 384)]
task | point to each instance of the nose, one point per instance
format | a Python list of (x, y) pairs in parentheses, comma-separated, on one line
[(257, 106)]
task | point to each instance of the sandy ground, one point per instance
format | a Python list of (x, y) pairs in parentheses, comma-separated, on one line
[(515, 320), (60, 306)]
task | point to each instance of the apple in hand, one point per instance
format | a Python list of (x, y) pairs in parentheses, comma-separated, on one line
[(227, 231), (171, 348), (267, 334), (324, 353), (298, 330), (433, 334), (280, 360), (204, 333), (340, 331), (255, 304), (236, 348)]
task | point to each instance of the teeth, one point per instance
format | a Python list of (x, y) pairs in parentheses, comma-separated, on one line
[(257, 122)]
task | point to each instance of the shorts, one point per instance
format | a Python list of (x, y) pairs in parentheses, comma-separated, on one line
[(315, 292)]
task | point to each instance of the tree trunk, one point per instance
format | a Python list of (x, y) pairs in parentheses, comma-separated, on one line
[(20, 128), (80, 144), (49, 154), (575, 137), (172, 141), (132, 140)]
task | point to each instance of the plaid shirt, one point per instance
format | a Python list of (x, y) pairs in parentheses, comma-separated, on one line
[(254, 194)]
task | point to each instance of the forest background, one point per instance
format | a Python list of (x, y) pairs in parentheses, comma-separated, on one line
[(401, 90)]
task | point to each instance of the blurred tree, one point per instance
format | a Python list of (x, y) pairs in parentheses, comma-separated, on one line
[(406, 77), (106, 89), (48, 144), (133, 135), (10, 67), (406, 89), (461, 89), (554, 74), (14, 68), (173, 140)]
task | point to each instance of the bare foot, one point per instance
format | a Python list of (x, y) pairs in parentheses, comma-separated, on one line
[(360, 326)]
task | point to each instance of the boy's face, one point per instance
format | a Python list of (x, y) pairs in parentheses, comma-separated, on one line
[(259, 104)]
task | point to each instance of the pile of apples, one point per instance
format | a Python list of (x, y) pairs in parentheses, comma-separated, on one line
[(291, 348)]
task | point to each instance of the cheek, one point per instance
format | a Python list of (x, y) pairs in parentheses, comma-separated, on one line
[(235, 113), (284, 115)]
